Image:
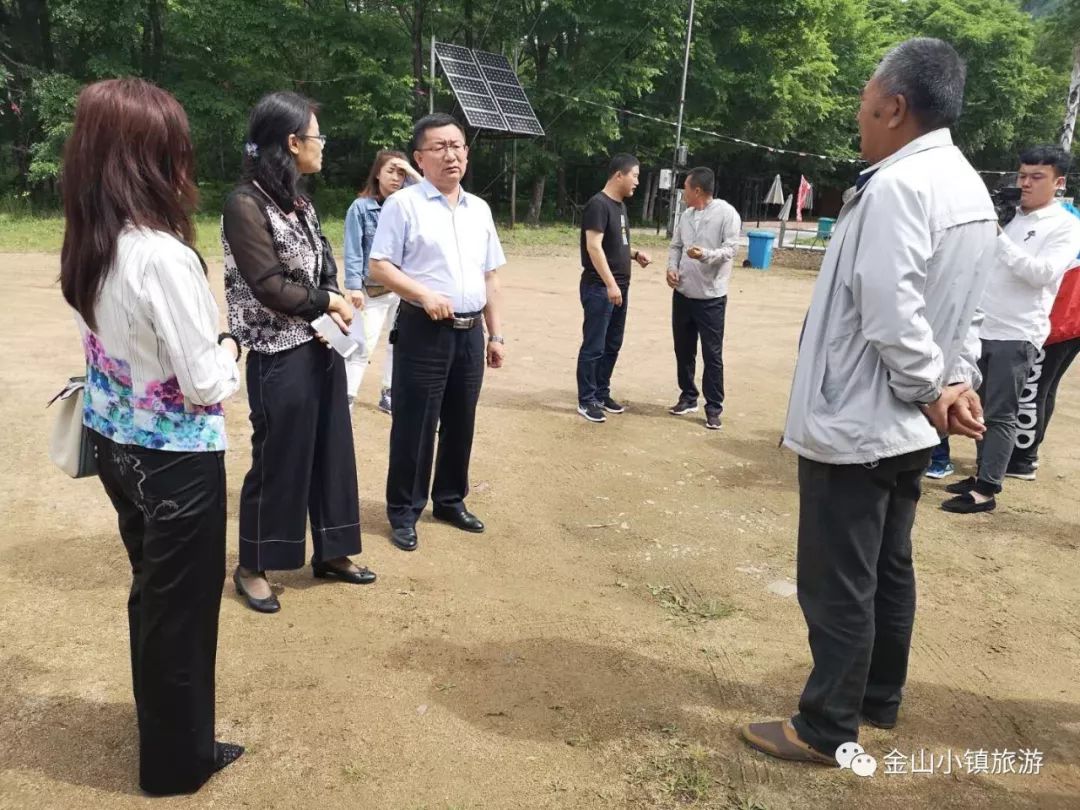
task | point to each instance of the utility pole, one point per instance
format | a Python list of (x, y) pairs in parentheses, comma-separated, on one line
[(678, 127)]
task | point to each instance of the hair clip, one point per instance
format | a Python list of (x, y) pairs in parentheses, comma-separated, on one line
[(251, 149)]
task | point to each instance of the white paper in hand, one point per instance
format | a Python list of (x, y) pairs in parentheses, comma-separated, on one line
[(328, 328)]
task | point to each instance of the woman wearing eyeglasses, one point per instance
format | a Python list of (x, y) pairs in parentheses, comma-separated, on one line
[(280, 276)]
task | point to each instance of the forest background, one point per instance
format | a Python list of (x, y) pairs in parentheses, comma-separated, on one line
[(783, 73)]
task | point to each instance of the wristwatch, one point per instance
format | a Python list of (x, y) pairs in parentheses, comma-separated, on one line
[(496, 339)]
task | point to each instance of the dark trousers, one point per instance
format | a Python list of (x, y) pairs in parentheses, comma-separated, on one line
[(438, 372), (857, 591), (1004, 365), (171, 512), (302, 461), (601, 339), (1038, 397), (691, 318)]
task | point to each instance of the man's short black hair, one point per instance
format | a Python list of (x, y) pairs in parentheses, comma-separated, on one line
[(621, 164), (1047, 155), (703, 179), (433, 121)]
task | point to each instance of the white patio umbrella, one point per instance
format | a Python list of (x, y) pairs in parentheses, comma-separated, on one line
[(785, 212), (776, 193)]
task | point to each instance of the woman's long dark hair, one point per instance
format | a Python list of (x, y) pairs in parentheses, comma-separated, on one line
[(273, 119), (128, 160), (371, 187)]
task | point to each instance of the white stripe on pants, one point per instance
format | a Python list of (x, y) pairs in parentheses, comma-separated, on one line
[(365, 330)]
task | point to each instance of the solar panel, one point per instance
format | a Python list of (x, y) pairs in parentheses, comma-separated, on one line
[(509, 91), (485, 120), (448, 51), (468, 70), (488, 90)]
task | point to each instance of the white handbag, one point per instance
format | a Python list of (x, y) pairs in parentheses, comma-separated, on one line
[(70, 447)]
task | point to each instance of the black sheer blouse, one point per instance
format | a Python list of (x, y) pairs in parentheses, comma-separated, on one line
[(279, 272)]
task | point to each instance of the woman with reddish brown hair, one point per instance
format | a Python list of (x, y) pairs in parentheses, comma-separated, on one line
[(156, 375)]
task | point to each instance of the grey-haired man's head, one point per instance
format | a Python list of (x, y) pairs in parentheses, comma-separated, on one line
[(917, 87)]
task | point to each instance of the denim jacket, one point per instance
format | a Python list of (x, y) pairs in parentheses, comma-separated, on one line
[(361, 220)]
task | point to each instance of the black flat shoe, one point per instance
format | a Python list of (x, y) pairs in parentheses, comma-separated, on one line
[(965, 505), (361, 576), (268, 605), (462, 519), (405, 539), (225, 754)]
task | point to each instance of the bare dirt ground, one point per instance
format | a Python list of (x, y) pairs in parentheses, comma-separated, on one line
[(596, 648)]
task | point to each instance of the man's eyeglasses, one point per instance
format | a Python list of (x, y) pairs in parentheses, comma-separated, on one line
[(440, 149), (320, 138)]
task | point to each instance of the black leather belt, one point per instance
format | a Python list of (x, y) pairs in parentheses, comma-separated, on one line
[(461, 320)]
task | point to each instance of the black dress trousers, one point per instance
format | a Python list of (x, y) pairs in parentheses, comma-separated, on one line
[(856, 588), (692, 318), (171, 511), (438, 372), (302, 460)]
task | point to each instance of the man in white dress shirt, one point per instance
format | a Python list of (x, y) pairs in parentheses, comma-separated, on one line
[(887, 360), (1034, 250), (437, 248)]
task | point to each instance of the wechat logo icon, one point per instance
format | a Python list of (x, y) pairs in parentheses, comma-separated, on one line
[(852, 756)]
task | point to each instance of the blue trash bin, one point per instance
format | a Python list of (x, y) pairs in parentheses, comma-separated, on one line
[(761, 245)]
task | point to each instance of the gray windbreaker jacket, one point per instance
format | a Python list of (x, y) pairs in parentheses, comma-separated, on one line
[(893, 315), (714, 229)]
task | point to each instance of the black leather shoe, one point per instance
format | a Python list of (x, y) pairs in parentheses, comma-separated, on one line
[(966, 504), (461, 518), (362, 576), (405, 538), (268, 605)]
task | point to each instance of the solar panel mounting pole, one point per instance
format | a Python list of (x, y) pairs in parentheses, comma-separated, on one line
[(431, 84), (678, 126)]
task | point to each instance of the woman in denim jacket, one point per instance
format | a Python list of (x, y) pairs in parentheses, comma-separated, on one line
[(375, 304)]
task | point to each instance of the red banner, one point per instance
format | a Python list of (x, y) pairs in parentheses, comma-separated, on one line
[(804, 192)]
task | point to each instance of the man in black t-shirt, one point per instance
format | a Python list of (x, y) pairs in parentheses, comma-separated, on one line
[(605, 286)]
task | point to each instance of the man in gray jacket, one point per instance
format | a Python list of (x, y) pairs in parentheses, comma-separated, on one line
[(699, 267), (887, 362)]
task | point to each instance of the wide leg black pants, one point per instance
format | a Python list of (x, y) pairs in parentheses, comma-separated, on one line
[(302, 460)]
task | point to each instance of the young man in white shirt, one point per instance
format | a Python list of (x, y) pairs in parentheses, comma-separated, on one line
[(1035, 248)]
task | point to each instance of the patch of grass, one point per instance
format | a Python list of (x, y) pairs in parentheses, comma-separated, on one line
[(692, 607), (681, 777), (24, 233), (740, 802), (30, 234), (354, 772)]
